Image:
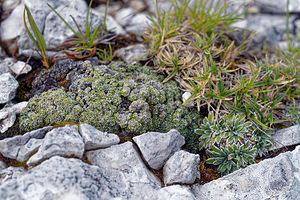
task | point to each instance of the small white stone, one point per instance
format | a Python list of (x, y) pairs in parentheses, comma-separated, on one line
[(7, 118), (124, 16), (8, 87), (20, 67), (185, 97), (93, 138), (13, 24), (19, 107)]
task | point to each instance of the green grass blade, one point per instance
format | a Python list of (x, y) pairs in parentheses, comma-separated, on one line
[(39, 37), (87, 25), (27, 30), (92, 39), (65, 22)]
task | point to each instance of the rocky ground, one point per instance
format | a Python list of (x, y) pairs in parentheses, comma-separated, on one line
[(129, 135)]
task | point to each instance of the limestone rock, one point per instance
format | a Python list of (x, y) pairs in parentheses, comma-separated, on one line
[(56, 31), (138, 24), (278, 6), (275, 178), (175, 192), (93, 138), (62, 141), (15, 147), (13, 24), (2, 165), (10, 173), (19, 107), (8, 115), (286, 137), (7, 118), (5, 64), (124, 16), (158, 147), (8, 87), (20, 67), (125, 159), (62, 178), (132, 53), (182, 167)]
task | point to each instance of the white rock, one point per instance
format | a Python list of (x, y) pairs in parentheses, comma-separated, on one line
[(185, 97), (8, 115), (2, 165), (56, 31), (124, 16), (182, 167), (62, 141), (93, 138), (111, 23), (13, 24), (19, 107), (275, 178), (137, 180), (8, 87), (61, 178), (5, 65), (7, 118), (175, 192), (20, 67), (10, 4), (139, 24), (30, 147), (10, 147), (10, 173), (286, 137), (132, 53), (158, 147)]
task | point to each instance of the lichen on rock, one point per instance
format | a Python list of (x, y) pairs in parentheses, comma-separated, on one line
[(126, 99)]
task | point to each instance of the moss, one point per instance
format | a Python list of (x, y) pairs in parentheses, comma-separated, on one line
[(117, 98)]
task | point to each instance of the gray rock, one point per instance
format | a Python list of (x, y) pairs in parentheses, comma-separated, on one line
[(139, 24), (5, 64), (8, 87), (124, 16), (10, 173), (111, 23), (19, 107), (93, 138), (28, 149), (275, 178), (125, 159), (20, 67), (56, 31), (62, 141), (2, 165), (182, 167), (8, 115), (175, 192), (7, 118), (61, 178), (11, 147), (162, 5), (277, 6), (132, 53), (286, 137), (9, 5), (13, 24), (158, 147), (9, 65)]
